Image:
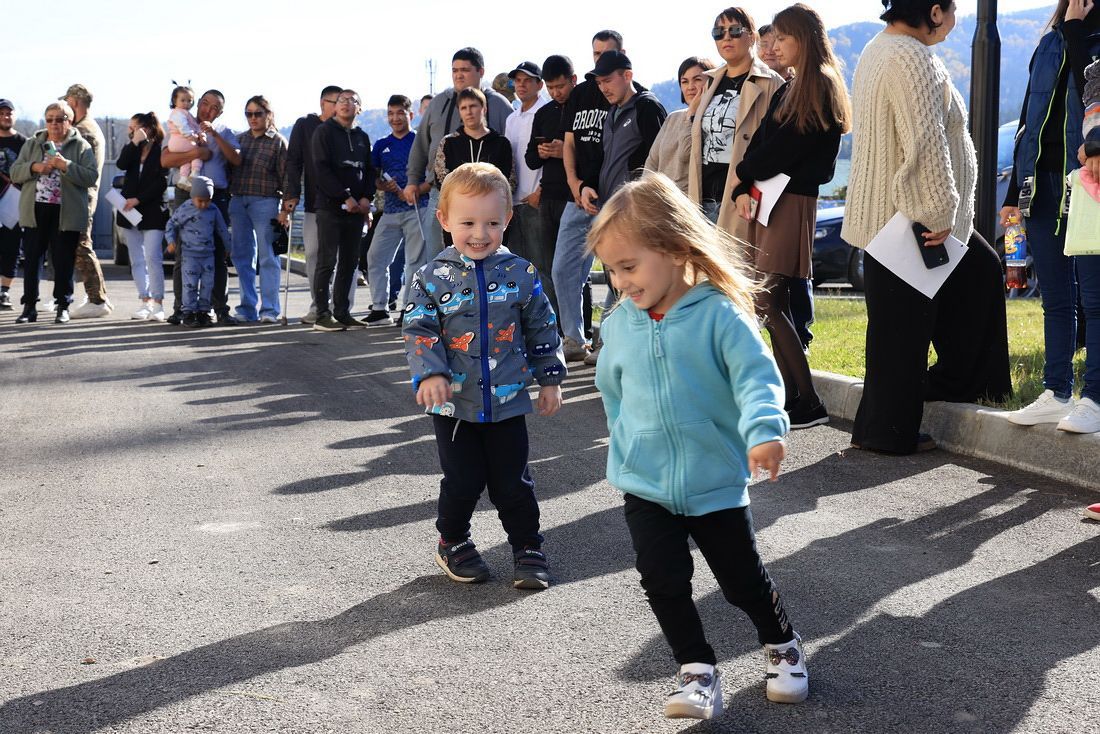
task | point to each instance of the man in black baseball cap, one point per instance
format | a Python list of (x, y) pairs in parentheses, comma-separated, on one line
[(530, 68), (609, 62)]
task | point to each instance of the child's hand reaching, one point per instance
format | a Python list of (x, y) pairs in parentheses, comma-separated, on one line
[(766, 457), (549, 400), (434, 390)]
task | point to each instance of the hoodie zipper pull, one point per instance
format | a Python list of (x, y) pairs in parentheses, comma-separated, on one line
[(657, 335)]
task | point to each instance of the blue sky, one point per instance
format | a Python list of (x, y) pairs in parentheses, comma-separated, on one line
[(289, 50)]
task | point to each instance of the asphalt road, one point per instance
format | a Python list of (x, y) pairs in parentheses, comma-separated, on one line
[(231, 530)]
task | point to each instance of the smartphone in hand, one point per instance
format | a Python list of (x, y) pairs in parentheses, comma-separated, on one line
[(933, 256)]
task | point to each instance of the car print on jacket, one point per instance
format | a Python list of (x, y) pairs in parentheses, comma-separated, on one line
[(494, 330)]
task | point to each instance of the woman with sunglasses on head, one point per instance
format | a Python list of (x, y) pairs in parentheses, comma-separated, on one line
[(912, 153), (55, 167), (670, 153), (1047, 144), (143, 187), (256, 187), (727, 114), (800, 137)]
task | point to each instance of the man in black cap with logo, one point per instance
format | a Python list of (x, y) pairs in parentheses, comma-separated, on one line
[(10, 144)]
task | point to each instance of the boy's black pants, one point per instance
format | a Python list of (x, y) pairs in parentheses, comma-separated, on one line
[(729, 546), (480, 455)]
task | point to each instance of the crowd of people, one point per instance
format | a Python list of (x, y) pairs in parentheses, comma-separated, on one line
[(491, 213)]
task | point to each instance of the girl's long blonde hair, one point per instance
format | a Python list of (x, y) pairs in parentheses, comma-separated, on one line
[(653, 212)]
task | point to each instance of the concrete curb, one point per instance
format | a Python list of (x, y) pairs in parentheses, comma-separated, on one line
[(298, 267), (985, 433)]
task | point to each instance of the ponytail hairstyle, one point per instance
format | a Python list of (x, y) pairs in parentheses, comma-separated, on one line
[(149, 121), (653, 212), (817, 98)]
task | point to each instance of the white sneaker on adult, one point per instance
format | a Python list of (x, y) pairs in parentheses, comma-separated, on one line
[(698, 693), (156, 312), (788, 681), (1084, 418), (89, 310), (1046, 409), (143, 313), (268, 319)]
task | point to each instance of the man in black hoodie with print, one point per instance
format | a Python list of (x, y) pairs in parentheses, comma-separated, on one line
[(344, 187)]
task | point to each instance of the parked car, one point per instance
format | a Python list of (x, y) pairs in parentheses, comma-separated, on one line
[(833, 258)]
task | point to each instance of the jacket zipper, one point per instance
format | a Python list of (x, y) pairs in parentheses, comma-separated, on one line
[(483, 311), (664, 407), (1039, 150)]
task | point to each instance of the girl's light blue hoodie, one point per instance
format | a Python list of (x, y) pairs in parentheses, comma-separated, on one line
[(686, 397)]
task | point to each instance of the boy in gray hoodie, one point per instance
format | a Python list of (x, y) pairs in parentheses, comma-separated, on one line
[(192, 225)]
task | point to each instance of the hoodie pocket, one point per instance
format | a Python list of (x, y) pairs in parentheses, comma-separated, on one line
[(709, 459)]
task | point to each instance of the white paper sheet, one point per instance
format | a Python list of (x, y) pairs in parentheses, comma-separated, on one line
[(118, 201), (895, 248), (9, 208), (770, 189)]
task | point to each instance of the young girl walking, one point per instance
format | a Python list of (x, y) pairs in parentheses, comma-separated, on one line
[(695, 407)]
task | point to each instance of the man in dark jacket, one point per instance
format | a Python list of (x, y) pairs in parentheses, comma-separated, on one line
[(299, 167), (345, 185)]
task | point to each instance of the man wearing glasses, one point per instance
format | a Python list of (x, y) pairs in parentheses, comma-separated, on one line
[(299, 166), (441, 119), (345, 186)]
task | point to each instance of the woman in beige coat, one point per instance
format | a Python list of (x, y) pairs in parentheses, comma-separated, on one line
[(728, 113)]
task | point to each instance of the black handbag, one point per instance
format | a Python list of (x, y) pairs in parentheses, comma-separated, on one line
[(281, 243)]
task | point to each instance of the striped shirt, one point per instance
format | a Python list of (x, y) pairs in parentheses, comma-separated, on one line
[(263, 165)]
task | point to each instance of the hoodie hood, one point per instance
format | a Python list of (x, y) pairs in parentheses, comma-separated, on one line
[(683, 308)]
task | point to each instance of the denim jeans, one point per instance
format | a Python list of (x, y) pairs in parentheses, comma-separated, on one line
[(1057, 282), (253, 234), (147, 262), (198, 278), (392, 228), (572, 265), (432, 229)]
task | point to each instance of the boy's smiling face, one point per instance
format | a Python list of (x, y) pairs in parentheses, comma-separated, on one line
[(476, 223)]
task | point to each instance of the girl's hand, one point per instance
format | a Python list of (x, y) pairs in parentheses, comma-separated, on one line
[(434, 390), (130, 204), (767, 457), (1009, 211), (549, 400), (744, 207), (1078, 9)]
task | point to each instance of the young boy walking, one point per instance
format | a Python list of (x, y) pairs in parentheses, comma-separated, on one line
[(192, 225), (478, 330)]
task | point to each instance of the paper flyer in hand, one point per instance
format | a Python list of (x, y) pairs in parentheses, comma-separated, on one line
[(118, 201)]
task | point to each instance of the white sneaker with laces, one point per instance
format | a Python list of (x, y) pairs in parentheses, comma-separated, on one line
[(1084, 418), (268, 319), (1046, 409), (788, 681), (89, 310), (157, 313), (143, 313), (698, 694)]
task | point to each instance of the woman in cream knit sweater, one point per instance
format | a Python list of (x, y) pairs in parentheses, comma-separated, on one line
[(912, 154)]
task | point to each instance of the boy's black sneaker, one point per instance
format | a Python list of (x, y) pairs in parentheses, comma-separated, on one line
[(378, 318), (532, 571), (190, 320), (461, 561), (804, 415), (204, 319)]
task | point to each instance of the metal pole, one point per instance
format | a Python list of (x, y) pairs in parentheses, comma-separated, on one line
[(985, 102)]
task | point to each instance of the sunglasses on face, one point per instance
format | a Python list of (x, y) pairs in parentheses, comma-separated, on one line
[(348, 100), (57, 120), (734, 31), (255, 113)]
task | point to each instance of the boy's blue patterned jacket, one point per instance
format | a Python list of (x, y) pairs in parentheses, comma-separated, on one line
[(193, 228), (487, 326)]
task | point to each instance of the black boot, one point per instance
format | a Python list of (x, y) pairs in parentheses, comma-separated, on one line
[(30, 314)]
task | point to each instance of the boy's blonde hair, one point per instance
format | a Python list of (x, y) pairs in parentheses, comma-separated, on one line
[(653, 212), (475, 179)]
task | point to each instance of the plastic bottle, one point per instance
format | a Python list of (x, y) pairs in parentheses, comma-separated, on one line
[(1016, 255)]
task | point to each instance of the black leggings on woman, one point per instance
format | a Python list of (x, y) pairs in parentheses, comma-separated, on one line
[(773, 304), (45, 237)]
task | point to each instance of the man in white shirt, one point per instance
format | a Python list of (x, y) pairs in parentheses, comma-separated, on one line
[(525, 231)]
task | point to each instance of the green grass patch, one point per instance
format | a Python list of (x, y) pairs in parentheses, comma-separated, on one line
[(841, 325)]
